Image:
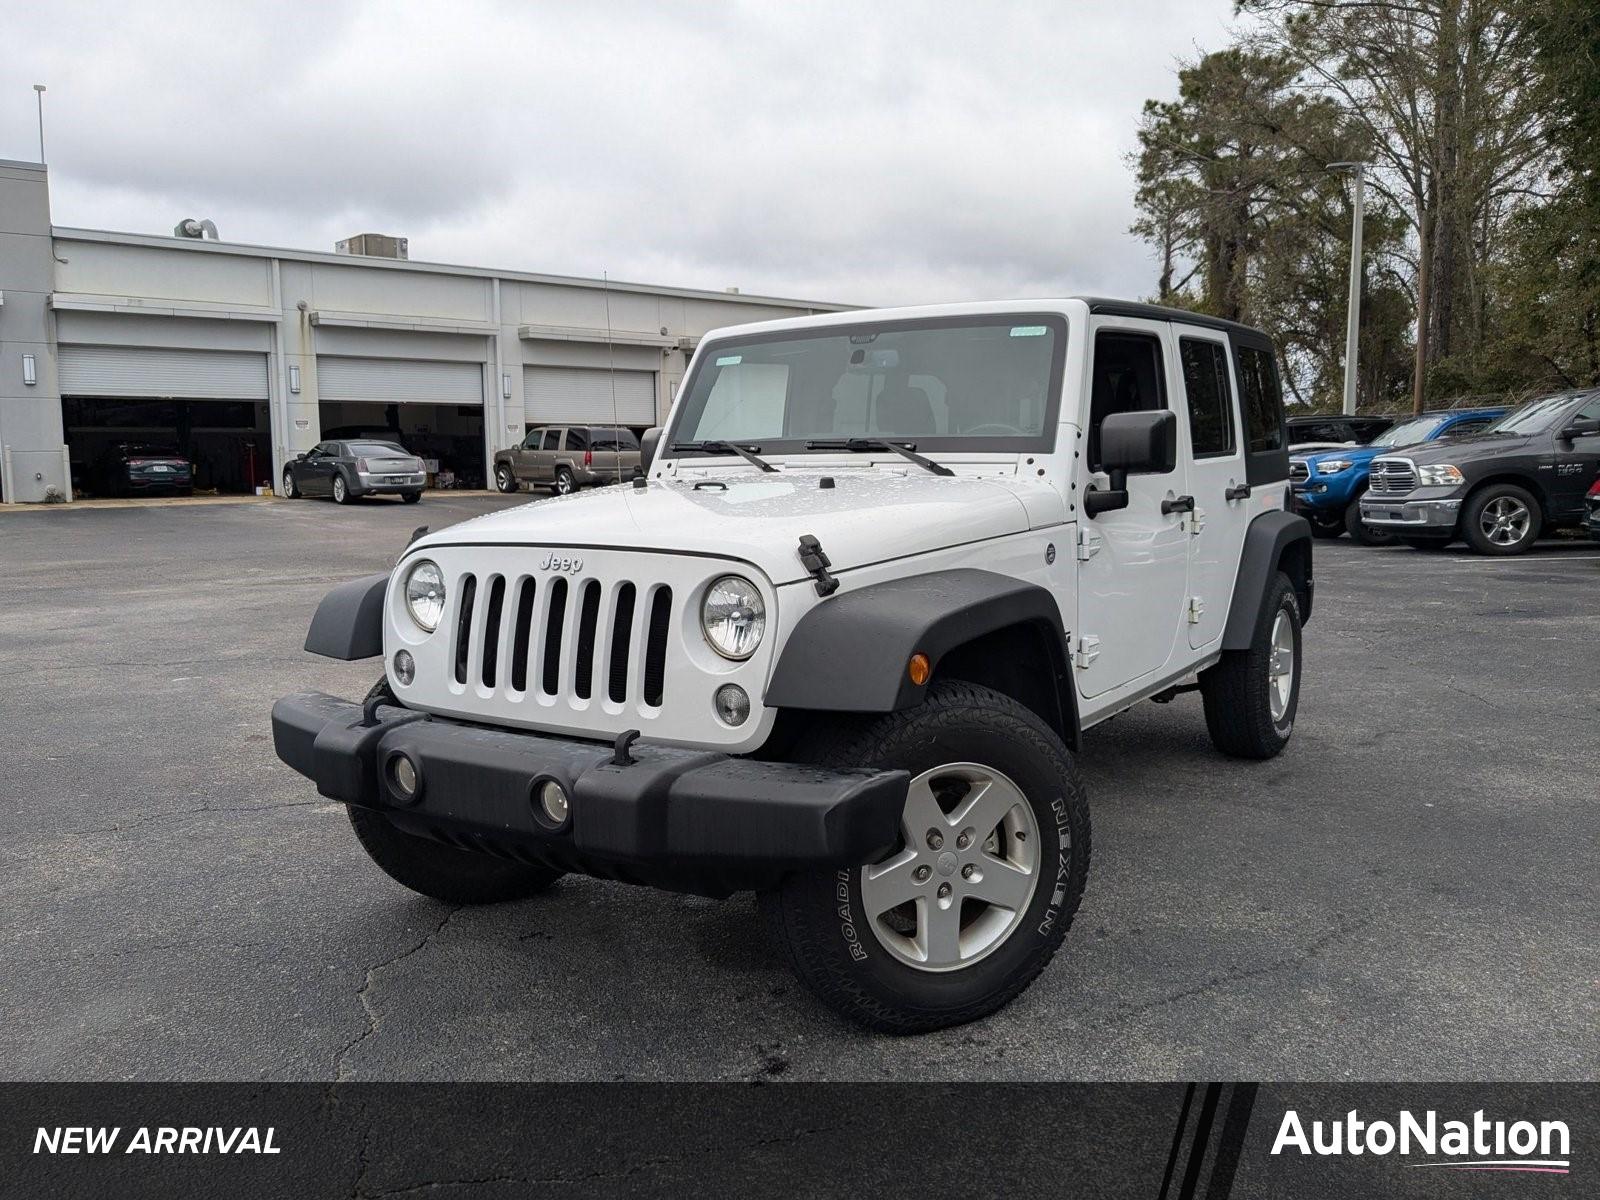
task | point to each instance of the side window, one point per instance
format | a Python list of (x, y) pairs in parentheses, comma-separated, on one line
[(552, 439), (1461, 428), (1128, 377), (577, 439), (1589, 412), (1263, 407), (324, 450), (1205, 383), (531, 442)]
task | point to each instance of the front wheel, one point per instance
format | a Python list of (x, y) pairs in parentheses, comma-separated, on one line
[(1501, 519), (977, 893), (504, 480), (290, 491), (341, 490), (1251, 696)]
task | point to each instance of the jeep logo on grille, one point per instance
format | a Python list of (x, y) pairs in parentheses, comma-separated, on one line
[(554, 562)]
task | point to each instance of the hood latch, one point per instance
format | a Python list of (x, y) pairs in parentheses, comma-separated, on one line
[(816, 562)]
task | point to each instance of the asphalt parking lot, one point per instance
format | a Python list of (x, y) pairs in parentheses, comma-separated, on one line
[(1408, 893)]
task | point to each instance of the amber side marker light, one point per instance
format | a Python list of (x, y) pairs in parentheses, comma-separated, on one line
[(918, 669)]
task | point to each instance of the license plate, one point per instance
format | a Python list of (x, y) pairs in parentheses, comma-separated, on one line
[(161, 467)]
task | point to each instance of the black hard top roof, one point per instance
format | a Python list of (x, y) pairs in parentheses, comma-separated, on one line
[(1158, 312)]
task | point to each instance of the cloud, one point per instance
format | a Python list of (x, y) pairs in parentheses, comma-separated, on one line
[(886, 153)]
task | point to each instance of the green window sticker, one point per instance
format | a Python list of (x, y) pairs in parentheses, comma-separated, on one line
[(1028, 331), (730, 360)]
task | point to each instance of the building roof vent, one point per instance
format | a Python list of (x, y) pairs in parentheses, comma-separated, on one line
[(374, 245), (198, 230)]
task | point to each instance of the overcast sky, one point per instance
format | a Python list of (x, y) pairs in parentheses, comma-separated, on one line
[(863, 152)]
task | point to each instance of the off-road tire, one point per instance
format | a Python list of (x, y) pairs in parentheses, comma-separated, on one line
[(1472, 513), (1360, 532), (290, 491), (341, 489), (818, 919), (439, 871), (505, 479), (410, 497), (566, 483), (1236, 690)]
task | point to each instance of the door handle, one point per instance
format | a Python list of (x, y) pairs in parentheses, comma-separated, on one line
[(1179, 505), (1242, 492)]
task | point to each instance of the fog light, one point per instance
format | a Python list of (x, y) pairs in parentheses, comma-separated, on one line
[(405, 668), (403, 777), (553, 802), (733, 706)]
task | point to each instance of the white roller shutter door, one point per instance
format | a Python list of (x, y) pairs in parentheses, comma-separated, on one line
[(180, 374), (584, 396), (398, 380)]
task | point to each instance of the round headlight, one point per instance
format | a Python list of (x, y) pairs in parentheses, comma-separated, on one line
[(425, 594), (733, 617)]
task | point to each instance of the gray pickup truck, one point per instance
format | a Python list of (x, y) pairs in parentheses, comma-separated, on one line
[(565, 458)]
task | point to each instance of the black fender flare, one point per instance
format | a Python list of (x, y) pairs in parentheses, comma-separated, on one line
[(1273, 541), (850, 653), (348, 623)]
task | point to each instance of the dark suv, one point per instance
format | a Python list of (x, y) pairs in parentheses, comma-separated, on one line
[(1334, 430), (1525, 474)]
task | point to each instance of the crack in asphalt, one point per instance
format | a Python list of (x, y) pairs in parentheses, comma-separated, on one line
[(342, 1068), (1308, 951)]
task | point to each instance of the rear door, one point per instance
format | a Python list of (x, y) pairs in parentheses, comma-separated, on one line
[(544, 461), (1210, 420)]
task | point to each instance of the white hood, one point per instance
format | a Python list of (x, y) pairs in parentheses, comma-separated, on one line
[(866, 517)]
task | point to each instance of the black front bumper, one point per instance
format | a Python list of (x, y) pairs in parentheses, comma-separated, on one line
[(690, 820)]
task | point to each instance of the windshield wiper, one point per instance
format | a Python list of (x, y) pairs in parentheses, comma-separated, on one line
[(868, 445), (747, 453)]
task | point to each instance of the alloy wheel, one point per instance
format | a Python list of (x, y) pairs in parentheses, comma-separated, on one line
[(1505, 521), (1280, 667), (965, 872)]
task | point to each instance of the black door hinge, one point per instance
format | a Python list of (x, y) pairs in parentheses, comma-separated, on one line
[(816, 562)]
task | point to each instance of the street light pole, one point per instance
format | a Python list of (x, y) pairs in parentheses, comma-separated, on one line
[(38, 91), (1353, 310)]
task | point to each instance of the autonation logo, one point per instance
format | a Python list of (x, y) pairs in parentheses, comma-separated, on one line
[(1476, 1145)]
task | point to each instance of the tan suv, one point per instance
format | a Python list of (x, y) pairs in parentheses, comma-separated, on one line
[(565, 458)]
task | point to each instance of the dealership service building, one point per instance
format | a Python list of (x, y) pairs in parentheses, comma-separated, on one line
[(244, 356)]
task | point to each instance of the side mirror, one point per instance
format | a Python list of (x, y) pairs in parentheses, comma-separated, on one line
[(1578, 429), (1132, 443), (301, 457), (647, 447)]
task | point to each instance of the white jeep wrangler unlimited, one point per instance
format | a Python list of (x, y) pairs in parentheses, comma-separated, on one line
[(840, 643)]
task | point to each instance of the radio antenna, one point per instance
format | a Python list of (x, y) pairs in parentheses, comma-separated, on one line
[(611, 367)]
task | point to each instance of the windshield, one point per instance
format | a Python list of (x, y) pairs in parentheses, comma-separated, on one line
[(963, 383), (1532, 418), (1408, 433), (377, 450)]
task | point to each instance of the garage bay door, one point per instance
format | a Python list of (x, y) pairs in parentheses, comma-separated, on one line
[(584, 395), (398, 380), (180, 374)]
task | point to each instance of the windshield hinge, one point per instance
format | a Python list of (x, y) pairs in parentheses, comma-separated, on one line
[(817, 563)]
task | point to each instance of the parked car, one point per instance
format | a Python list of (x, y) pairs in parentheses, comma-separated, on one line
[(349, 470), (1523, 476), (143, 468), (861, 657), (565, 458), (1330, 432), (1591, 515), (1328, 484)]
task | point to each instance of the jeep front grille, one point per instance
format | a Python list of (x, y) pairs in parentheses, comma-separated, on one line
[(1391, 477), (1298, 471), (558, 632)]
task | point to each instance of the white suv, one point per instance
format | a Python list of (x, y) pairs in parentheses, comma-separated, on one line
[(841, 642)]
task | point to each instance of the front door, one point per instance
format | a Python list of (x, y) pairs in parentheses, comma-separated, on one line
[(1577, 464), (1133, 562), (1209, 422)]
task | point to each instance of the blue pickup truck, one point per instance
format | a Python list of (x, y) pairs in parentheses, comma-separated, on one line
[(1328, 485)]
